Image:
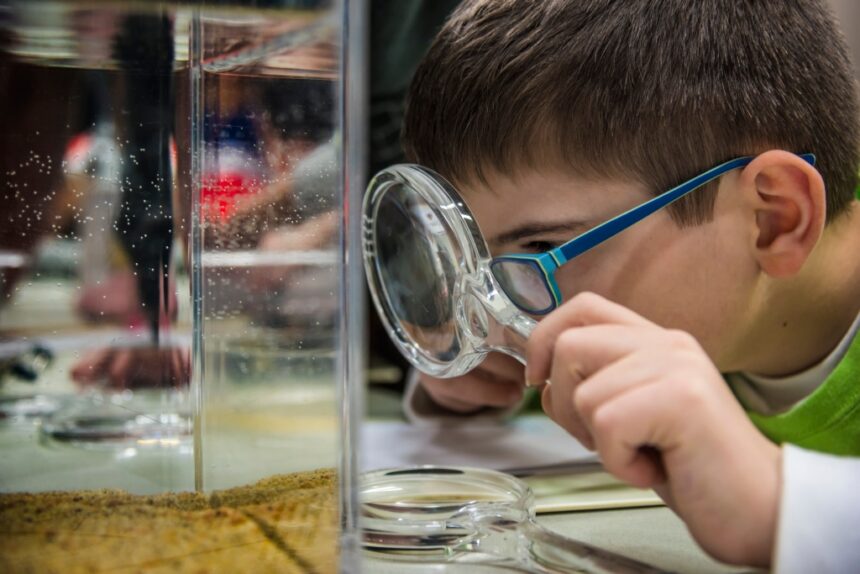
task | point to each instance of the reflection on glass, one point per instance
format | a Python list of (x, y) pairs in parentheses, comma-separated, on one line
[(170, 249), (128, 206), (269, 233), (90, 271)]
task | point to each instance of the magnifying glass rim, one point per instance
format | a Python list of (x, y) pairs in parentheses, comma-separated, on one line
[(436, 191), (512, 492), (498, 482)]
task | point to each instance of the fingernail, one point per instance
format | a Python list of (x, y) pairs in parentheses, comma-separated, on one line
[(536, 384), (530, 381)]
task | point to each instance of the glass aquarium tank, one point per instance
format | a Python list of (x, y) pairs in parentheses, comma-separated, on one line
[(175, 306)]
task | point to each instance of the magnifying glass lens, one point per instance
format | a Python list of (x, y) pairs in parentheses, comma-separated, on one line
[(428, 271), (417, 264)]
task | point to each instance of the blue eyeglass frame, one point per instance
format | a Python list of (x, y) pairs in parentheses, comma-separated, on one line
[(548, 262)]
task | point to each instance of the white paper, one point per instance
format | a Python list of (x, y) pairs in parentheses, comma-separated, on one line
[(530, 441)]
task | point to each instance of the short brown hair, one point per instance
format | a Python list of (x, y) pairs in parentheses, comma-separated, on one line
[(651, 90)]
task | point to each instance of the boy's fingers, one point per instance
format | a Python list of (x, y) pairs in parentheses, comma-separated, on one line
[(91, 368), (586, 350), (583, 310), (633, 370), (573, 397), (557, 402), (631, 430), (120, 370)]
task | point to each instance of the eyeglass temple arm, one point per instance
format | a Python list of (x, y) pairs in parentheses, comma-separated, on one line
[(616, 225)]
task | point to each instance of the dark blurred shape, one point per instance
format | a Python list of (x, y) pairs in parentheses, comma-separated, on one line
[(301, 108), (144, 50), (29, 365), (415, 276)]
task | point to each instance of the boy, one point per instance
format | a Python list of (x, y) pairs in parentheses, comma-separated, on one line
[(552, 117)]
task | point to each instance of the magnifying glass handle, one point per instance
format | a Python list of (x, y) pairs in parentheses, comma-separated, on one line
[(517, 334), (507, 534), (556, 553), (513, 334)]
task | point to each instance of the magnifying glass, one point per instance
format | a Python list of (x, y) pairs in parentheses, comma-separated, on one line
[(472, 518), (428, 268)]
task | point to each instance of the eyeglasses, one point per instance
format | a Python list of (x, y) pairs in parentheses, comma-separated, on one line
[(529, 279)]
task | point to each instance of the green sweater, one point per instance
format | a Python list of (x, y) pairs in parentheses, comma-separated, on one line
[(828, 420)]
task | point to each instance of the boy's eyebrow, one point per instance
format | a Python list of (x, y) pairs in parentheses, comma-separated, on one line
[(530, 229)]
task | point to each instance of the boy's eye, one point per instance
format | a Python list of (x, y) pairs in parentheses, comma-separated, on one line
[(538, 246)]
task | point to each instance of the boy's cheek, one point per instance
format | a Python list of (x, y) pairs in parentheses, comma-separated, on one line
[(585, 273), (653, 289)]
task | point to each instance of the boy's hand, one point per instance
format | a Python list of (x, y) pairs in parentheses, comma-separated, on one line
[(650, 401), (498, 382)]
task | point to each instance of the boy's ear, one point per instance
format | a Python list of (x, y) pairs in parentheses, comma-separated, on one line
[(788, 197)]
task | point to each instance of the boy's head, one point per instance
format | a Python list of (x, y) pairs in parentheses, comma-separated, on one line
[(553, 116)]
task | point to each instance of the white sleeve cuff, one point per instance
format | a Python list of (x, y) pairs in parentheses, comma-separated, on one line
[(420, 409), (819, 520)]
